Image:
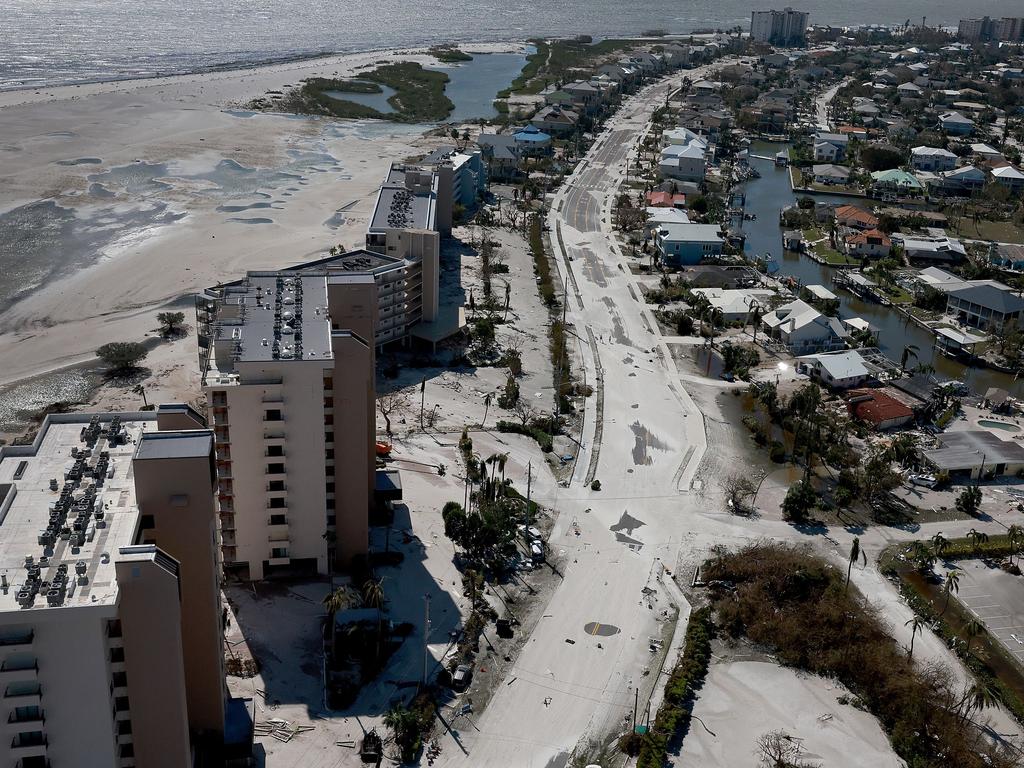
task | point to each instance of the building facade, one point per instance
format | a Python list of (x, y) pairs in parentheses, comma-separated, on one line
[(287, 361), (111, 652), (783, 28)]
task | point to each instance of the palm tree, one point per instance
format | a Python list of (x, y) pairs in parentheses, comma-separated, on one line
[(916, 624), (373, 597), (972, 630), (487, 406), (981, 695), (951, 585), (977, 538), (1014, 536), (405, 727), (939, 544), (336, 601), (138, 389), (854, 554), (910, 350)]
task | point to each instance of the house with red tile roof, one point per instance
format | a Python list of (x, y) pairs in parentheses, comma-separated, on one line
[(872, 243), (877, 408), (665, 200), (857, 218)]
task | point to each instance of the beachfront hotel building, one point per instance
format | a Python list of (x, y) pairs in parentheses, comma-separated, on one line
[(287, 363), (111, 647), (411, 214), (783, 28)]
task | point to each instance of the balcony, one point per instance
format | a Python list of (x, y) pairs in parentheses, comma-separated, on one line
[(32, 744), (227, 538), (270, 397), (33, 721), (24, 694), (227, 522), (17, 673), (278, 534), (273, 434), (17, 643)]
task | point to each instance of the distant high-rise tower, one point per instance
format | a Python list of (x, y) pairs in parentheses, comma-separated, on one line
[(783, 28)]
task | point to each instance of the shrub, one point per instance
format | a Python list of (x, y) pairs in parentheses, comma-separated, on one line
[(800, 500), (543, 438), (595, 485), (122, 355)]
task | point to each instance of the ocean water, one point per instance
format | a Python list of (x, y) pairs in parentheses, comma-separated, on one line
[(47, 42)]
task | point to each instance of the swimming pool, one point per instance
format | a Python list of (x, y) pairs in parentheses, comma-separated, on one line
[(998, 425)]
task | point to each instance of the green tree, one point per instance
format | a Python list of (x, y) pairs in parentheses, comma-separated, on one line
[(373, 597), (939, 544), (977, 538), (916, 625), (800, 500), (170, 322), (973, 629), (122, 356), (949, 586), (405, 727), (968, 502), (338, 600)]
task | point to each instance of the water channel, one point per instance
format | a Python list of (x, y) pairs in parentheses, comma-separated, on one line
[(765, 197)]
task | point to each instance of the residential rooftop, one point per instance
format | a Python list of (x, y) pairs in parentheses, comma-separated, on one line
[(407, 200), (68, 502)]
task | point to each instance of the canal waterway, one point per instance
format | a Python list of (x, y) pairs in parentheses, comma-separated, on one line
[(765, 197)]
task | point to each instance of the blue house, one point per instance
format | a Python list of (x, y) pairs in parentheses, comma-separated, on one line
[(531, 140), (687, 244)]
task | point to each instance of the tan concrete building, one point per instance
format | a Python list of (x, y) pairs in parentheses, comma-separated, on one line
[(287, 362), (110, 628)]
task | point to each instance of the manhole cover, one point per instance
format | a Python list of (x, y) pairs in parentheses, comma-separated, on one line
[(600, 630)]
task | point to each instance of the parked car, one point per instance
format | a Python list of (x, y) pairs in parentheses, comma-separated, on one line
[(462, 677), (928, 481)]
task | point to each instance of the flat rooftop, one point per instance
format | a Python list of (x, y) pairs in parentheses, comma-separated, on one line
[(967, 450), (110, 520), (406, 200), (271, 316)]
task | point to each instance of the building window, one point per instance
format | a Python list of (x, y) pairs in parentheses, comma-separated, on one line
[(328, 383), (124, 727), (275, 450), (272, 414), (276, 485), (146, 522), (328, 418), (114, 628), (275, 469), (330, 505), (26, 714), (328, 437), (331, 519), (116, 655), (329, 453), (277, 503), (278, 520), (121, 704), (29, 739), (127, 750), (329, 470), (328, 402), (330, 487), (277, 552), (119, 679)]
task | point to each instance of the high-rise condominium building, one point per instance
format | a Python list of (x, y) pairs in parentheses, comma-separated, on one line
[(111, 648), (287, 362), (783, 28), (981, 30)]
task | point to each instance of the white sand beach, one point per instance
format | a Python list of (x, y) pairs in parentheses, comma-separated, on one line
[(293, 175)]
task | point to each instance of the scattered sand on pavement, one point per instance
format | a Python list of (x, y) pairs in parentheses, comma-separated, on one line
[(743, 700)]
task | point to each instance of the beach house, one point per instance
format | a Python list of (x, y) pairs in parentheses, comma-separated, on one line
[(956, 124), (932, 159), (985, 307), (686, 244), (836, 370), (804, 330)]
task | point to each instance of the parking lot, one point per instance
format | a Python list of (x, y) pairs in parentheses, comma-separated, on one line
[(996, 598)]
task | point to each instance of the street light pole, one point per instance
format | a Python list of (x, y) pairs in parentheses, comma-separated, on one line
[(426, 635)]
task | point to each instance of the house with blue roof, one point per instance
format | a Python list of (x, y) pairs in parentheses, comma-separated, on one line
[(531, 140)]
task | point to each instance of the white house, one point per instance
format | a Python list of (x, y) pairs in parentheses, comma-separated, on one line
[(932, 159), (838, 370), (735, 303), (805, 330), (1009, 177), (659, 217), (684, 162)]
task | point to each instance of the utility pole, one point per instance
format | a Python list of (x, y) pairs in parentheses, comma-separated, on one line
[(426, 635), (636, 703), (529, 483), (423, 397)]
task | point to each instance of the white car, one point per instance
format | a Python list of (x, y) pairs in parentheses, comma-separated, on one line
[(928, 481)]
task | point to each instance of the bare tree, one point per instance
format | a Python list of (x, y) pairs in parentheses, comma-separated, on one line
[(777, 749), (524, 411), (392, 404), (740, 491)]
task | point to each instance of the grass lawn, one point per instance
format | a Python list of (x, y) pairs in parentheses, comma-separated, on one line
[(1000, 231), (824, 250)]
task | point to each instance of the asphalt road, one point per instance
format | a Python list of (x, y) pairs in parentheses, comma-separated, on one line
[(569, 684)]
